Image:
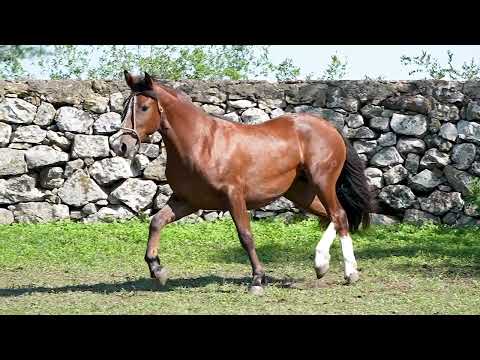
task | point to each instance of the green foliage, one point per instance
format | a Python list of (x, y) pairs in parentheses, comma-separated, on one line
[(206, 62), (432, 68), (66, 62), (286, 70), (212, 62), (474, 196), (111, 63), (336, 69), (11, 59), (143, 217), (377, 78)]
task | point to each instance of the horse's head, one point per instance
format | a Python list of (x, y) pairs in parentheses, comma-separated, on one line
[(141, 115)]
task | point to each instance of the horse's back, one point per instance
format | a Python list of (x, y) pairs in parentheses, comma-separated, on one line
[(297, 137)]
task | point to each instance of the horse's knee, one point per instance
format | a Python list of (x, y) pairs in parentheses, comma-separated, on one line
[(155, 225), (158, 222)]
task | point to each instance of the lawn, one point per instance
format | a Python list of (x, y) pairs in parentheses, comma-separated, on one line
[(72, 268)]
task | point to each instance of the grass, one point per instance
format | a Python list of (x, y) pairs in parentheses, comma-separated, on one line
[(72, 268)]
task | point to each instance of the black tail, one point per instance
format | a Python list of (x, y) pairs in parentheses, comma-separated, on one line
[(353, 192)]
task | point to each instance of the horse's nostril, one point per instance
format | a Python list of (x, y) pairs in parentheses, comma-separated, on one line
[(123, 148)]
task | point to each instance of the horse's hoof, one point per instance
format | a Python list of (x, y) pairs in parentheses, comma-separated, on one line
[(161, 276), (322, 271), (256, 290), (352, 278), (264, 280)]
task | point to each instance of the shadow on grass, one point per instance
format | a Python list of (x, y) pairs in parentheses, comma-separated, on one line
[(269, 253), (143, 284), (447, 269), (279, 253), (440, 251)]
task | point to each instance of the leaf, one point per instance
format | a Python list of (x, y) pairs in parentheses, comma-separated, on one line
[(427, 65)]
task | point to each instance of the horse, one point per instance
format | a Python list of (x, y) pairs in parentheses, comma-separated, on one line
[(215, 164)]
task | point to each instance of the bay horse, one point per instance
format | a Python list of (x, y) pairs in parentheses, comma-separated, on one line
[(215, 164)]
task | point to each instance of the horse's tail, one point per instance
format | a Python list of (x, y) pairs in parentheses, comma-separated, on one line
[(352, 190)]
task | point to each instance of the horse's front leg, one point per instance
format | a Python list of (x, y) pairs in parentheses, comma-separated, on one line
[(238, 210), (175, 209)]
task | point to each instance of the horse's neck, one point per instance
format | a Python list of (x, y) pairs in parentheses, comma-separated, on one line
[(186, 128)]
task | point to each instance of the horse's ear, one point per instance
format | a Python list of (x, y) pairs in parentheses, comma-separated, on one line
[(148, 81), (128, 78)]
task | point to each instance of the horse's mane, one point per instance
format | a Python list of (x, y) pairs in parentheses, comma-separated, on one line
[(221, 117), (140, 86)]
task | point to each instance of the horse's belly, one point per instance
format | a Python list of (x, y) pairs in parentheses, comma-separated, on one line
[(261, 193), (260, 188), (200, 195)]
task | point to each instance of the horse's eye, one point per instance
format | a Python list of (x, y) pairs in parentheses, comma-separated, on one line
[(144, 108)]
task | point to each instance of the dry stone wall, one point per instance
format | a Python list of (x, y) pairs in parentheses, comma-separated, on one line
[(420, 141)]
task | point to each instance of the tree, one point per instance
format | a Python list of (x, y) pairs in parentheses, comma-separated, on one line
[(432, 68), (65, 62), (235, 62), (336, 69), (207, 62), (286, 70), (11, 59)]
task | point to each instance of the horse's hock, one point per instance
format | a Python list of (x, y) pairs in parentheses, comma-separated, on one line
[(420, 141)]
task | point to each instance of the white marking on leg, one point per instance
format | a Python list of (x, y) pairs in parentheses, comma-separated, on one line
[(348, 256), (322, 251)]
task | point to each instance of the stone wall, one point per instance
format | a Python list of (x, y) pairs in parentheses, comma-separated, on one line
[(420, 140)]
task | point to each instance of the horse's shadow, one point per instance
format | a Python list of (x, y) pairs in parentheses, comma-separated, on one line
[(142, 284)]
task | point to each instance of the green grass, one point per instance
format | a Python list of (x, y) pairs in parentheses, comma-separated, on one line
[(71, 268)]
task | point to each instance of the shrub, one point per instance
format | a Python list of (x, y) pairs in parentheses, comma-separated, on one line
[(474, 197)]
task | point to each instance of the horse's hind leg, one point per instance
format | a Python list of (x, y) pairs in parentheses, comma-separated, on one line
[(238, 210), (304, 196), (175, 209), (325, 184)]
